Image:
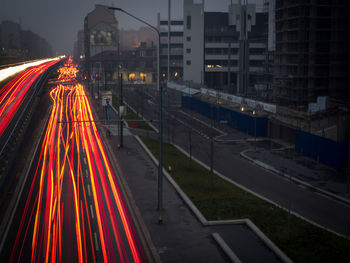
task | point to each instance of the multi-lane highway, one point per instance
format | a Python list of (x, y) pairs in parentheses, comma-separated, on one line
[(13, 93), (72, 209)]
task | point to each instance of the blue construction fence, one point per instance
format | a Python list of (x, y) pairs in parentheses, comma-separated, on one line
[(237, 120), (334, 154)]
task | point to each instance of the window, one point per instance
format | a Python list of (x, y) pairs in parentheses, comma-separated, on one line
[(188, 62), (188, 22), (188, 39), (188, 50)]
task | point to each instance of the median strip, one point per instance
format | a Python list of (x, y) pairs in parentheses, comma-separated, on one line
[(218, 199)]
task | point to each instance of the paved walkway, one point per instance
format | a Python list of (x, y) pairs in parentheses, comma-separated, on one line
[(181, 237)]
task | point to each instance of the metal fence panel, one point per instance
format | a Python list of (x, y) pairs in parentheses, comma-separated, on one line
[(237, 120), (334, 154)]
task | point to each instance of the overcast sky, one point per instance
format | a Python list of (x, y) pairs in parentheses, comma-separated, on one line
[(59, 20)]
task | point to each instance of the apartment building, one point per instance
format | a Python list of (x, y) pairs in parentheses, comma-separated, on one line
[(226, 50), (312, 51)]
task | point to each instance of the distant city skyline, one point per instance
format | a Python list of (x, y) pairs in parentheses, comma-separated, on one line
[(59, 21)]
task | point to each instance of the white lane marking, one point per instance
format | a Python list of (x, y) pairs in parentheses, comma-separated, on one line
[(86, 173), (89, 191), (85, 160), (92, 212), (96, 242)]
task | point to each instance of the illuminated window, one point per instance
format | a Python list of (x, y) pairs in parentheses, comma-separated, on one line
[(143, 76), (131, 76)]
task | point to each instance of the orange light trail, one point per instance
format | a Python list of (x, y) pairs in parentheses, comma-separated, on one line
[(14, 92), (74, 210)]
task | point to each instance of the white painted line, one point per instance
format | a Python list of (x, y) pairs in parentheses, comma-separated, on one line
[(204, 123), (86, 173), (228, 251), (96, 242), (92, 212), (85, 160), (89, 191)]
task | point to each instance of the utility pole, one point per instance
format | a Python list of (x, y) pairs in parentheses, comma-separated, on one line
[(229, 61), (121, 113), (169, 29), (243, 49), (212, 161), (160, 89), (118, 55)]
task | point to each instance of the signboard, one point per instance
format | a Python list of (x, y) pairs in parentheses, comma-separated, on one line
[(122, 111), (106, 98)]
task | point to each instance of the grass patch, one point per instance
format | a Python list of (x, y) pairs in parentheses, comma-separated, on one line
[(131, 115), (220, 200)]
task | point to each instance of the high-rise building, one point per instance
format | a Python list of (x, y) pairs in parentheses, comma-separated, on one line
[(226, 50), (176, 49), (312, 51)]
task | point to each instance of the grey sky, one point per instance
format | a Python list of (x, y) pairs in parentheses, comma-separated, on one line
[(59, 20)]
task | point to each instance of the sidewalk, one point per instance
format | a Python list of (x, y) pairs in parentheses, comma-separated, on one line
[(306, 171), (181, 237)]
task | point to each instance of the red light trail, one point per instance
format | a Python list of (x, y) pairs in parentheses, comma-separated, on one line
[(13, 93), (74, 210), (68, 72)]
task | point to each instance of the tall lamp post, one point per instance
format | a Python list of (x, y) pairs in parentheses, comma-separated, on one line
[(160, 89)]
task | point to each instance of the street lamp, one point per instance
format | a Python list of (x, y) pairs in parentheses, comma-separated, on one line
[(160, 89)]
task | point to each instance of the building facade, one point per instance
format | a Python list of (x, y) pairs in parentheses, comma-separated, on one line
[(226, 50), (176, 49), (312, 54), (20, 45), (100, 36), (193, 42)]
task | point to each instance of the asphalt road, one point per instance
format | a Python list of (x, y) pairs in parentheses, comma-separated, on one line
[(72, 209), (313, 206)]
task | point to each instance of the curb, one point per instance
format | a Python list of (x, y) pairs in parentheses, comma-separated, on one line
[(233, 257), (200, 216), (151, 253), (295, 180), (205, 222)]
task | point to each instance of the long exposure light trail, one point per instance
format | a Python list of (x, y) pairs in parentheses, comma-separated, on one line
[(10, 71), (13, 93), (74, 210)]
